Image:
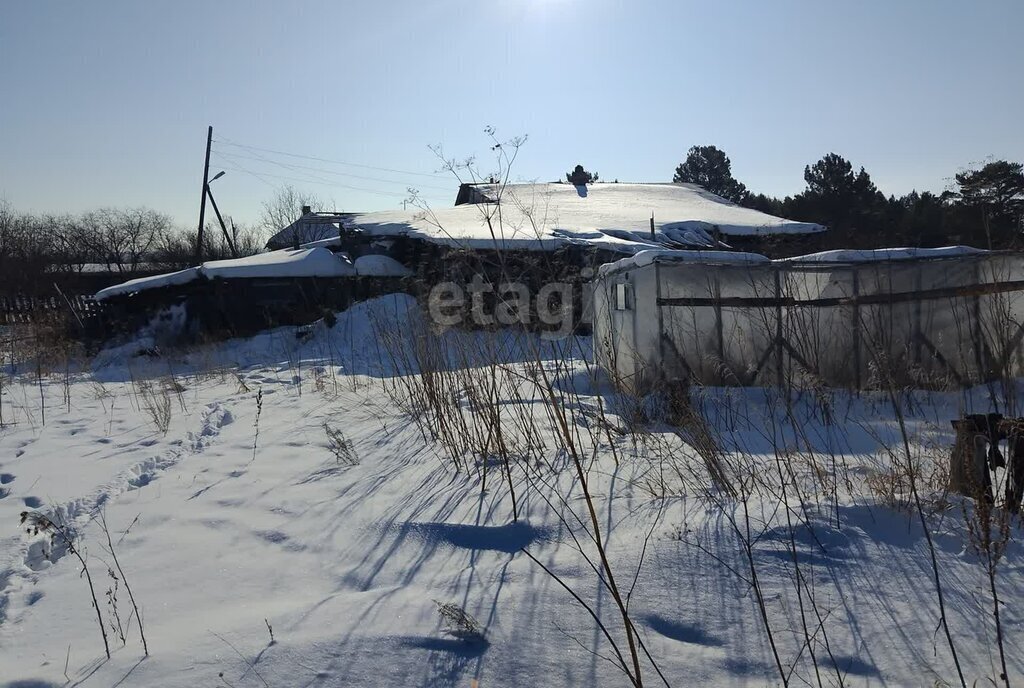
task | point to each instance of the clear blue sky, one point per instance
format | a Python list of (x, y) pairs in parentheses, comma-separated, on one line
[(106, 103)]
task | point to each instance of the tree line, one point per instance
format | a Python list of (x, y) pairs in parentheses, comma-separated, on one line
[(35, 248), (984, 206), (115, 240)]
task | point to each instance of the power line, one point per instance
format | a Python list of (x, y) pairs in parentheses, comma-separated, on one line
[(262, 177), (307, 180), (226, 142), (232, 156), (307, 177)]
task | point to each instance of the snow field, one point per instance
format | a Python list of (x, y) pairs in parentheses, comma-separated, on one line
[(344, 559)]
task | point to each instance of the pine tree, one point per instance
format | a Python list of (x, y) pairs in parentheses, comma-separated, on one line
[(710, 168), (840, 198), (995, 195)]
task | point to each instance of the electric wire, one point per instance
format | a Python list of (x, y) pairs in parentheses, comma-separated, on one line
[(303, 170), (227, 142), (262, 176)]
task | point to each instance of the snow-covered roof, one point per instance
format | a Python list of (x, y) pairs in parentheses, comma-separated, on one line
[(879, 255), (643, 258), (170, 279), (884, 254), (303, 262), (613, 216)]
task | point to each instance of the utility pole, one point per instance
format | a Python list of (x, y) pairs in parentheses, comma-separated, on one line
[(202, 204), (223, 227)]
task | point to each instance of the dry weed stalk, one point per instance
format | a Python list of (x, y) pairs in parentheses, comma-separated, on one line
[(155, 400), (341, 446), (60, 533), (123, 578)]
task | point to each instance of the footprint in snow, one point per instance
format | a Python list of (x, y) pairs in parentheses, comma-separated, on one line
[(509, 538), (275, 536), (141, 480), (6, 478), (682, 632), (32, 502)]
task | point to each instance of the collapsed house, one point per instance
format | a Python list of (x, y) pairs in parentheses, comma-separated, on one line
[(528, 234), (932, 318)]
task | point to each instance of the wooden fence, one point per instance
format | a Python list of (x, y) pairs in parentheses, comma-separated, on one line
[(20, 309)]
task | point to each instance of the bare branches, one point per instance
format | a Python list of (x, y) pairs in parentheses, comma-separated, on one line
[(286, 206)]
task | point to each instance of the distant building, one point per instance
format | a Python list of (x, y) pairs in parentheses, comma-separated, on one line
[(310, 226)]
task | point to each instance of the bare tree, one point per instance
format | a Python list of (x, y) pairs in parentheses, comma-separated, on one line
[(248, 240), (176, 249), (64, 235), (123, 239), (24, 253), (285, 207), (7, 232)]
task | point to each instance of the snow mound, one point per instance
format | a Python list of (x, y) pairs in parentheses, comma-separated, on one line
[(380, 266)]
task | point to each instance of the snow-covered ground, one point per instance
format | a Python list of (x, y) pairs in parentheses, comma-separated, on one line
[(293, 487)]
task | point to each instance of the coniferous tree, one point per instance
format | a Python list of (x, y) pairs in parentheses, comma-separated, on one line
[(985, 207), (840, 198), (766, 204), (710, 168), (922, 219), (993, 197)]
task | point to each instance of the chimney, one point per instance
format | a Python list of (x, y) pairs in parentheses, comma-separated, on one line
[(306, 210)]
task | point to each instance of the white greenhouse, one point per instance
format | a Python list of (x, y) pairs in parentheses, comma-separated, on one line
[(937, 318)]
